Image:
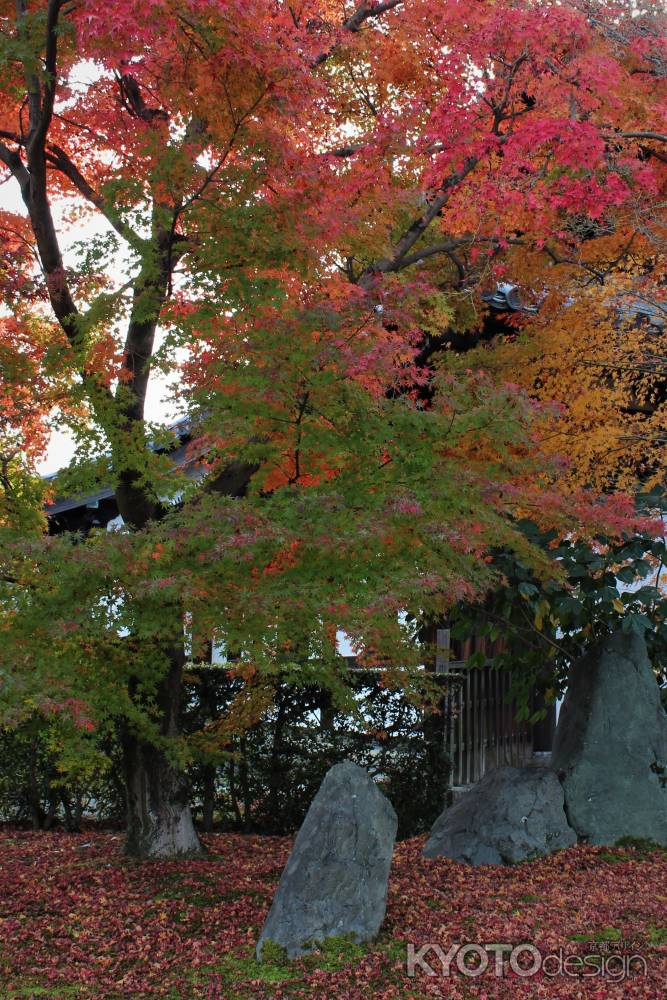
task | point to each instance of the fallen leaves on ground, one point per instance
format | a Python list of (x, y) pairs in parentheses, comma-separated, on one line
[(78, 920)]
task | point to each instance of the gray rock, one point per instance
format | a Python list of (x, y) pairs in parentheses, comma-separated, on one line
[(512, 814), (335, 881), (611, 744)]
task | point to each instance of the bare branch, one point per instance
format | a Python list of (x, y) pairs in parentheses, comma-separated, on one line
[(599, 276), (657, 368), (499, 108), (656, 136)]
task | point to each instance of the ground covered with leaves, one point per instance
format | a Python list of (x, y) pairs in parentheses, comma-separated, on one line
[(77, 920)]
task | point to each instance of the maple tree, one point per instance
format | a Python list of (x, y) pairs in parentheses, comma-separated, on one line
[(298, 202)]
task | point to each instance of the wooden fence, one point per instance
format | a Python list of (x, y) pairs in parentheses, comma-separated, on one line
[(480, 727)]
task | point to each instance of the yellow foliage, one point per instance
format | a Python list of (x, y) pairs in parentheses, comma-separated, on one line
[(590, 354)]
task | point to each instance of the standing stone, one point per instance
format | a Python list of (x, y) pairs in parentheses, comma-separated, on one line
[(610, 748), (511, 815), (335, 881)]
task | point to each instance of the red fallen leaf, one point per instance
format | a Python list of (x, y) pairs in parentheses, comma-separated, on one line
[(94, 920)]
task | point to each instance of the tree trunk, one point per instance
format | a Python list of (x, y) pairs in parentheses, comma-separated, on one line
[(32, 794), (208, 797), (245, 784), (233, 794), (159, 822), (277, 765), (72, 817), (433, 729)]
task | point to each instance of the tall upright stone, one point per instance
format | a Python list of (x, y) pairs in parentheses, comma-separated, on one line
[(610, 748), (335, 881)]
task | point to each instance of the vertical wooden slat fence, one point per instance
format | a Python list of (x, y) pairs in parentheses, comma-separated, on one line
[(481, 730)]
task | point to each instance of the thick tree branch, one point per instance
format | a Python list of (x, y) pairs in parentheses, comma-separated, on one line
[(14, 163), (362, 14), (397, 260), (58, 158), (31, 176), (133, 101), (232, 480), (136, 505), (447, 247), (41, 126), (366, 10), (343, 152), (655, 136), (32, 80)]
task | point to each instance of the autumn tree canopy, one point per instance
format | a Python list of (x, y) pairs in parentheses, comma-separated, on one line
[(294, 201)]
